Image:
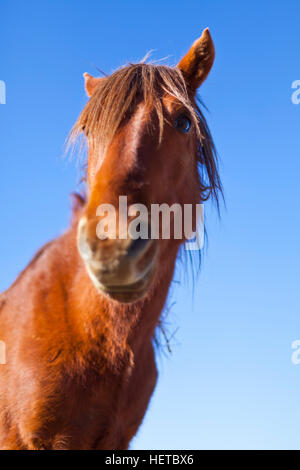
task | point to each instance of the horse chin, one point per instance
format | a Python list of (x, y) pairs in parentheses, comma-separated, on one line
[(125, 297), (127, 293)]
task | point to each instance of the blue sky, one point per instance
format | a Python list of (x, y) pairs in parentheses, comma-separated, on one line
[(229, 382)]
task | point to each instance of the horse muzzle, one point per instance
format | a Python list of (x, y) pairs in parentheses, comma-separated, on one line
[(122, 269)]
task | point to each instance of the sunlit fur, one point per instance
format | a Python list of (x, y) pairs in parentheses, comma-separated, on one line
[(80, 366)]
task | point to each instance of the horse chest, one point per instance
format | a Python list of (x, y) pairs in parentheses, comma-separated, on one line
[(101, 413)]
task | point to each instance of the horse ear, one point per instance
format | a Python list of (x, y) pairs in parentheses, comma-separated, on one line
[(91, 83), (196, 64)]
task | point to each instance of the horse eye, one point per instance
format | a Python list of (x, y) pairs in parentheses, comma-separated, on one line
[(183, 123)]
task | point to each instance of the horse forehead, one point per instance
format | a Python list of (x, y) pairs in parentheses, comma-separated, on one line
[(131, 135), (138, 122), (143, 112), (171, 104), (126, 140)]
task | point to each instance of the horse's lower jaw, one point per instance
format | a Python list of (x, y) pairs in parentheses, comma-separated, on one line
[(125, 297), (125, 293)]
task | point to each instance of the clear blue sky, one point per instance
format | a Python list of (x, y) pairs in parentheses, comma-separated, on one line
[(230, 382)]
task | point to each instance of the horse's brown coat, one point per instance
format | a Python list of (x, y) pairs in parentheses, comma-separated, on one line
[(80, 366)]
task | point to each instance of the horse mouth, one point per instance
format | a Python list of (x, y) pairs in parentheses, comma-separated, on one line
[(129, 293)]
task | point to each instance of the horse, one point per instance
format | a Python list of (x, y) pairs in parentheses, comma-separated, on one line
[(78, 323)]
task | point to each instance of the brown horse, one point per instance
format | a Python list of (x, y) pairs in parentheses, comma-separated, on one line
[(79, 321)]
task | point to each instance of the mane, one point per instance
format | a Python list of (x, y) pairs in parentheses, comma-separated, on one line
[(116, 98)]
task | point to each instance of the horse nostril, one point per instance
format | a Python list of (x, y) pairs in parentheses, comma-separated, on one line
[(137, 246)]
